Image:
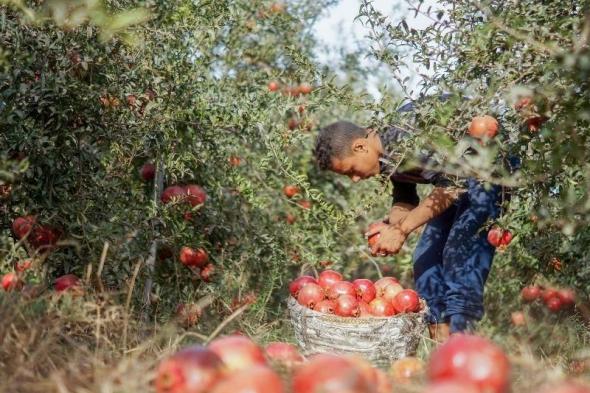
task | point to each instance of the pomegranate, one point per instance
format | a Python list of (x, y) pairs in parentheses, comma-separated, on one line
[(327, 373), (207, 272), (21, 226), (305, 88), (24, 265), (381, 308), (391, 291), (365, 289), (300, 282), (340, 288), (257, 379), (10, 281), (147, 171), (191, 370), (567, 297), (304, 204), (384, 385), (173, 194), (567, 387), (64, 283), (237, 352), (195, 195), (235, 161), (328, 278), (290, 219), (192, 257), (530, 293), (548, 294), (451, 387), (365, 309), (495, 237), (273, 86), (310, 295), (405, 369), (325, 306), (382, 283), (506, 238), (523, 103), (406, 301), (472, 360), (292, 123), (347, 306), (554, 303), (188, 314), (43, 236), (518, 318), (283, 353), (483, 127)]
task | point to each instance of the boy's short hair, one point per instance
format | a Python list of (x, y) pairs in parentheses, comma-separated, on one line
[(335, 141)]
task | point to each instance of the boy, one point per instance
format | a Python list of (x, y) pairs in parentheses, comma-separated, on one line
[(453, 257)]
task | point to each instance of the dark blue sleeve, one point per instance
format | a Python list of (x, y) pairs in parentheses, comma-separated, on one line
[(405, 192)]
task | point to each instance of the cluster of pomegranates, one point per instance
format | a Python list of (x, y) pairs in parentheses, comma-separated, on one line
[(330, 294), (554, 299), (40, 237), (13, 281), (499, 237)]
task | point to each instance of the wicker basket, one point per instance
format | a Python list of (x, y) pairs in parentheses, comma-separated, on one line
[(379, 340)]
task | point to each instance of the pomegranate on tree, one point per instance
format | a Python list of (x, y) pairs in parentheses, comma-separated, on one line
[(192, 257), (195, 195), (290, 190), (471, 360), (237, 352), (173, 194), (23, 265), (310, 295), (340, 288), (483, 127), (10, 281), (506, 238), (300, 282), (273, 86), (328, 278), (567, 297), (347, 306), (21, 226), (495, 237), (381, 308), (257, 379), (531, 293), (283, 353), (43, 236), (191, 370), (548, 294), (518, 318), (365, 290), (554, 303), (147, 171), (325, 306), (405, 301), (327, 373)]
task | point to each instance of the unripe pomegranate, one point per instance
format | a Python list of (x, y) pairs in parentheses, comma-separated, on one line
[(340, 288), (304, 204), (327, 278), (310, 295), (305, 88), (347, 306)]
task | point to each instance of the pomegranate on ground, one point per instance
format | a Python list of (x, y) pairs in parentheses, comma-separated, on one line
[(327, 373), (237, 352), (64, 283), (257, 379), (283, 353)]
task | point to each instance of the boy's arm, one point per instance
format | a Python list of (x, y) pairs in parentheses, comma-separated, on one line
[(393, 237), (398, 212)]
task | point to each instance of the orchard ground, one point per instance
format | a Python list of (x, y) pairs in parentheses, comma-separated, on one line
[(90, 95)]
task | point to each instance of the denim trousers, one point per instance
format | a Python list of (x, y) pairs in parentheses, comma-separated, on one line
[(453, 257)]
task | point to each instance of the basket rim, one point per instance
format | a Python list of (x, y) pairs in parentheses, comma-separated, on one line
[(423, 311)]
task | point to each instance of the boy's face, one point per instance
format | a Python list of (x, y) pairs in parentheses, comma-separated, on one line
[(362, 163)]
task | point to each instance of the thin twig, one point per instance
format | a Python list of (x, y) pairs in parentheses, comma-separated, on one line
[(103, 257), (225, 322), (128, 301)]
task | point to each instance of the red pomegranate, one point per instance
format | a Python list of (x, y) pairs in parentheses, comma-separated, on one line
[(207, 272), (365, 309), (531, 293), (310, 295), (483, 127), (567, 297), (381, 308), (24, 265), (506, 238), (495, 236), (300, 282), (257, 379), (195, 195), (406, 301), (325, 306), (43, 236), (391, 291), (21, 226), (382, 283), (10, 281), (548, 294), (471, 360), (340, 288), (347, 306), (147, 171), (172, 194), (191, 370), (365, 290), (64, 283), (283, 353), (291, 190), (327, 373), (384, 384), (518, 318), (405, 369), (567, 387), (192, 257), (554, 303), (328, 278), (237, 352)]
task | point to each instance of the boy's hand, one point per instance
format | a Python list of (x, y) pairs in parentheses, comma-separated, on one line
[(375, 228), (390, 241)]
